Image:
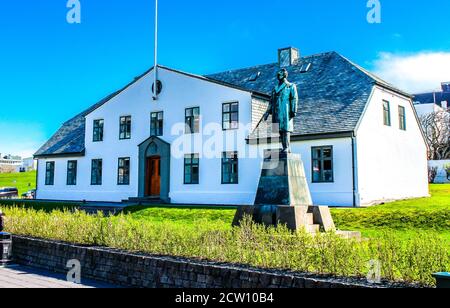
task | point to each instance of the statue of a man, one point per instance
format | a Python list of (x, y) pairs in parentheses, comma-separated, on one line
[(283, 108)]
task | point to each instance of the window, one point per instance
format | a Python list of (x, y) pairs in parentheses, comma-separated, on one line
[(156, 124), (191, 169), (230, 116), (322, 165), (192, 120), (96, 172), (50, 173), (72, 172), (230, 167), (125, 128), (387, 113), (98, 130), (124, 171), (402, 117)]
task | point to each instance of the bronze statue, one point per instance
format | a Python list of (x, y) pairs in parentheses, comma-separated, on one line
[(283, 108)]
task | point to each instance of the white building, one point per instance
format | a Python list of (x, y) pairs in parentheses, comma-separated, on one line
[(359, 137), (29, 164), (9, 163), (431, 102)]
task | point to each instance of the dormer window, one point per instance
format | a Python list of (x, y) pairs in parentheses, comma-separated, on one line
[(254, 76), (305, 68)]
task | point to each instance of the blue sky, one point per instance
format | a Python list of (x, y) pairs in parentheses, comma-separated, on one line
[(52, 70)]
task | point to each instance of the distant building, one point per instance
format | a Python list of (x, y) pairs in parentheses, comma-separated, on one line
[(10, 164), (431, 108), (435, 101), (29, 164)]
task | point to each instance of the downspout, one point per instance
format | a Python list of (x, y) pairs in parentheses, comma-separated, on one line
[(354, 169), (37, 179)]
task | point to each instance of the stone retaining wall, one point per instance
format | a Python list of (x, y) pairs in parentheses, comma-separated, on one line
[(134, 270)]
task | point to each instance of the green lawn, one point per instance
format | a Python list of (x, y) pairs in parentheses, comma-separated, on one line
[(403, 217), (23, 181)]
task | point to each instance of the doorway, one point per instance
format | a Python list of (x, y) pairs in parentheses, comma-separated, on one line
[(154, 169), (153, 177)]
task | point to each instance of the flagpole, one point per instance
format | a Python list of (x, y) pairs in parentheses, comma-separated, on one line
[(155, 69)]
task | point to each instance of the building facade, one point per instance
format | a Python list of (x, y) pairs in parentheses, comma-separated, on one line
[(203, 140), (10, 163)]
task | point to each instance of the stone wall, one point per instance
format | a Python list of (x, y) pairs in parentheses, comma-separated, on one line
[(134, 270)]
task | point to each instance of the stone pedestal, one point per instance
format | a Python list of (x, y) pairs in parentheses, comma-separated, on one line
[(283, 197), (283, 181)]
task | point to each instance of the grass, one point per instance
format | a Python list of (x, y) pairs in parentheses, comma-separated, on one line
[(22, 181), (403, 217), (411, 238)]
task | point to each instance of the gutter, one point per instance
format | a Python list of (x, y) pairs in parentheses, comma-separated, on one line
[(268, 140), (62, 155)]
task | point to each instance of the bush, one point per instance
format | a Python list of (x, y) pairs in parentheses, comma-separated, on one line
[(413, 260), (432, 174)]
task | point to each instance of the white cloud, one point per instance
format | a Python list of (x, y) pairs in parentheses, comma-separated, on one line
[(414, 73)]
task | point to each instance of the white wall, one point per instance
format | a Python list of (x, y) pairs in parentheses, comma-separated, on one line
[(441, 177), (392, 163), (340, 192)]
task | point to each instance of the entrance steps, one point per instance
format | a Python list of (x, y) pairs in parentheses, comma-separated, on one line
[(106, 210), (144, 201)]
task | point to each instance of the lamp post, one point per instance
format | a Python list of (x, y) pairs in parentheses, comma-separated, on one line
[(5, 243)]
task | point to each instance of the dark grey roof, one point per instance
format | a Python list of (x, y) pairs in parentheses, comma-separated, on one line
[(333, 94), (69, 139)]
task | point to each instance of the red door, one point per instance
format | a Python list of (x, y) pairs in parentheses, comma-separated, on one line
[(153, 177)]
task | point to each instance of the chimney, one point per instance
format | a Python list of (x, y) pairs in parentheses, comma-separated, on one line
[(288, 56)]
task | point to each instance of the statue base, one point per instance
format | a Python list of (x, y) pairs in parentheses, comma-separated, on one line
[(283, 197), (313, 219)]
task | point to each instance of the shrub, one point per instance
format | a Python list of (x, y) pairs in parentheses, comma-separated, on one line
[(278, 248), (432, 174)]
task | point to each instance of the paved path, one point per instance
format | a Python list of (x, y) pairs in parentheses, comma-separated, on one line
[(25, 277)]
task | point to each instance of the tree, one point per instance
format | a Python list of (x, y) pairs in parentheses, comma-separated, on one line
[(436, 127), (447, 169)]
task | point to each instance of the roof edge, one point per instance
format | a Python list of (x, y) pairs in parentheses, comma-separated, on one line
[(377, 80), (298, 137), (136, 79), (62, 155)]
